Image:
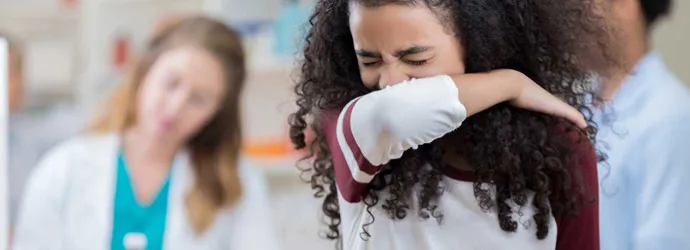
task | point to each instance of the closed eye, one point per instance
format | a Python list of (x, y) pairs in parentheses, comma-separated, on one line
[(416, 63), (370, 64)]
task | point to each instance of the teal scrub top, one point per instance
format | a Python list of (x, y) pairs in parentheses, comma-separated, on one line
[(130, 217)]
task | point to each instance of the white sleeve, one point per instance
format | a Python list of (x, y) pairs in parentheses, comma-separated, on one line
[(380, 126), (410, 114), (40, 220)]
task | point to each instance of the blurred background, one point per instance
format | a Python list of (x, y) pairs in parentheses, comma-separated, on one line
[(75, 51)]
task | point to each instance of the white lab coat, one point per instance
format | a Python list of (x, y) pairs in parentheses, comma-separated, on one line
[(68, 204)]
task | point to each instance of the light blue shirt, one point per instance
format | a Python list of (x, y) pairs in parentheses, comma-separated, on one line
[(645, 184)]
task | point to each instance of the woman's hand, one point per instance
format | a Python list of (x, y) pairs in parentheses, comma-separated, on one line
[(481, 91)]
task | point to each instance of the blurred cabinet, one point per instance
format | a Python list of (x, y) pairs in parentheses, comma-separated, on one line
[(48, 30), (68, 44)]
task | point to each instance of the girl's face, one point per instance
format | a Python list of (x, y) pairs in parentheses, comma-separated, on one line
[(394, 43), (180, 94)]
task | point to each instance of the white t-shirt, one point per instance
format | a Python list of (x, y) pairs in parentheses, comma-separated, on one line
[(378, 127)]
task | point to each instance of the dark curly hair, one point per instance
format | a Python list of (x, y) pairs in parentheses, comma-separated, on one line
[(655, 9), (561, 45)]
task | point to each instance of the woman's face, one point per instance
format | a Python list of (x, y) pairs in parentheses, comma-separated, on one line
[(180, 94), (395, 43)]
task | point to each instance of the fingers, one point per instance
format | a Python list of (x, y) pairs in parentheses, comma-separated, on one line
[(570, 113), (537, 99), (577, 118)]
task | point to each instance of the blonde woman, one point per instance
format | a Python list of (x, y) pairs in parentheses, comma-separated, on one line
[(161, 168)]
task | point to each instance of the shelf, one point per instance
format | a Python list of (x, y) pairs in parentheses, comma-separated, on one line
[(125, 2), (40, 15), (38, 11)]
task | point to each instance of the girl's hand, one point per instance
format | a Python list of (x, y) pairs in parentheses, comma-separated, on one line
[(481, 91), (532, 97)]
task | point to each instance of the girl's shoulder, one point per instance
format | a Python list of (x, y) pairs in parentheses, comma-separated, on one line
[(577, 141)]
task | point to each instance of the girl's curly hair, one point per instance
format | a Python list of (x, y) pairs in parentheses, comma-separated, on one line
[(562, 45)]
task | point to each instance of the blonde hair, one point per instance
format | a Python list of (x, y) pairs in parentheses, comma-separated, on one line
[(215, 149)]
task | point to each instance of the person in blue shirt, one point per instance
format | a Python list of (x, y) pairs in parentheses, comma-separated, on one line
[(160, 167), (645, 125)]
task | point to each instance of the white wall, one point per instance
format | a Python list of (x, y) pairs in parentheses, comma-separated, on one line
[(48, 31), (672, 39), (4, 215)]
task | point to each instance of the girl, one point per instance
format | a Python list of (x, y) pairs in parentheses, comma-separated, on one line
[(161, 169), (415, 145)]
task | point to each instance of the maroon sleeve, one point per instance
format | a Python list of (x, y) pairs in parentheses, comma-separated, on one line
[(349, 188), (582, 232)]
